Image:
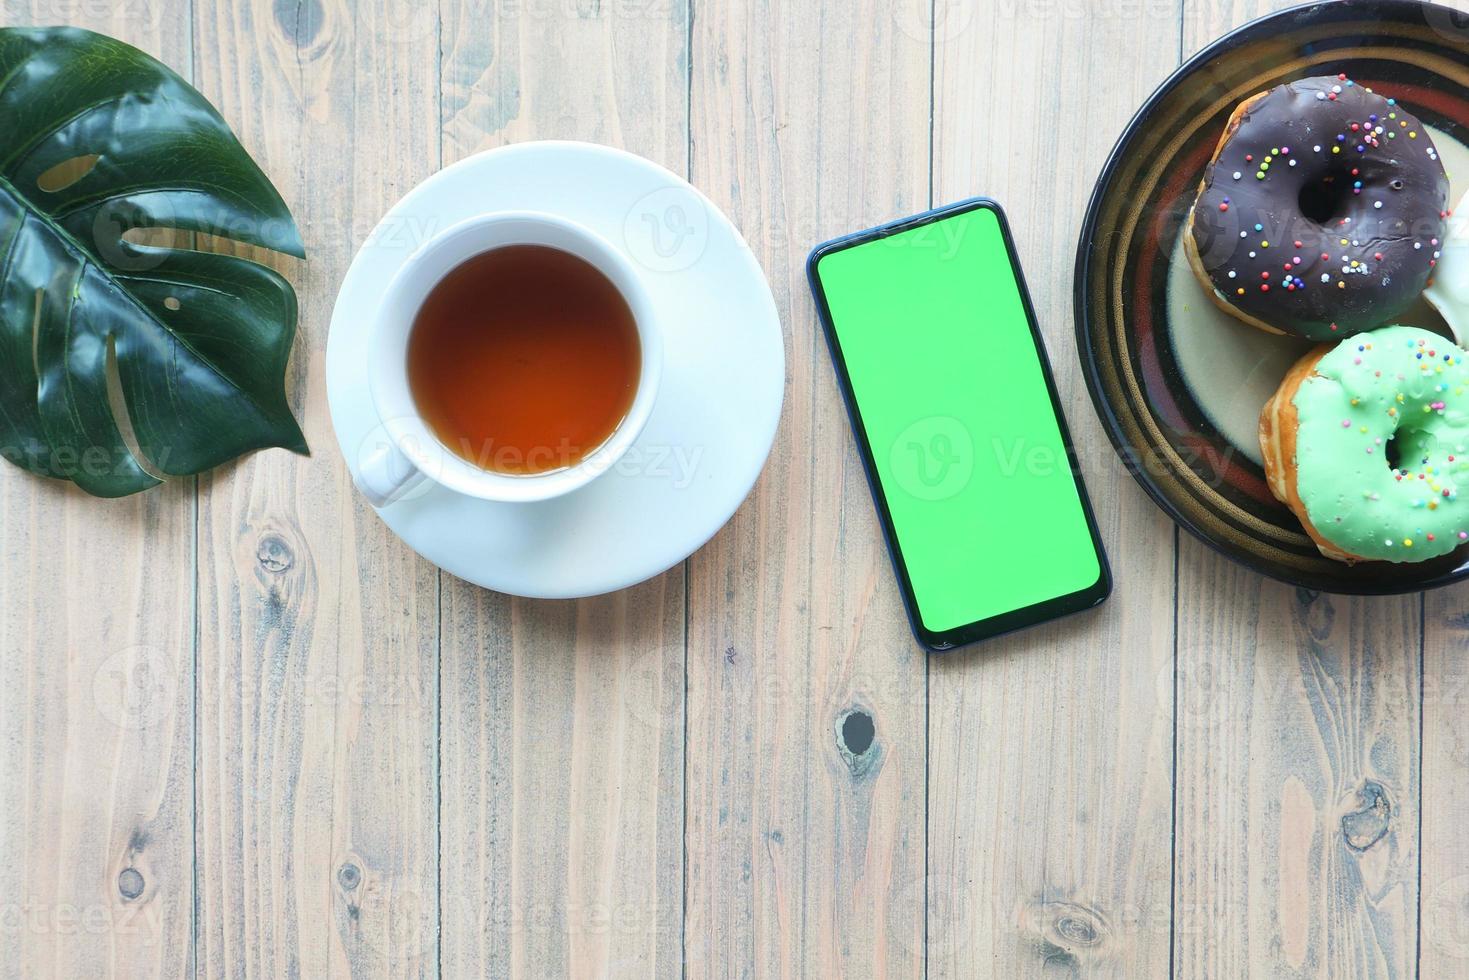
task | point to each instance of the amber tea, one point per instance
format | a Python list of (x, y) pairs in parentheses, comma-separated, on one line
[(524, 359)]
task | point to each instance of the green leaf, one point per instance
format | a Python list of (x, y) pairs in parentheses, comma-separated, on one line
[(111, 349)]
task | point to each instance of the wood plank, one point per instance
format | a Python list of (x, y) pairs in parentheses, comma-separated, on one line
[(318, 630), (1443, 924), (562, 731), (1297, 778), (96, 699), (1443, 920), (1050, 754), (805, 830), (1298, 770)]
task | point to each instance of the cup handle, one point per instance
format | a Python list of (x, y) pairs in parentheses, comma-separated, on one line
[(385, 475)]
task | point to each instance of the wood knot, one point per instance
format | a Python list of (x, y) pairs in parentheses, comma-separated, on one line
[(1317, 614), (130, 883), (1078, 930), (279, 559), (349, 875), (299, 20), (1067, 932), (273, 554), (1370, 821), (858, 732), (856, 741)]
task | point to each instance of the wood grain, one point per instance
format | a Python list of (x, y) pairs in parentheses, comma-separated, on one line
[(318, 629), (1298, 760), (96, 730), (258, 736), (805, 835), (1443, 925), (562, 733), (1050, 760), (1297, 841), (1443, 893)]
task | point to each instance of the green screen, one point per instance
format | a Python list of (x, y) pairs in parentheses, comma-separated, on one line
[(953, 401)]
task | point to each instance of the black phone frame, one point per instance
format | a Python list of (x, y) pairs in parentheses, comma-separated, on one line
[(1001, 623)]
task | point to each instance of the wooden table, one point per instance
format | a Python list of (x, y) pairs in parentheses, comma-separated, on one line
[(245, 731)]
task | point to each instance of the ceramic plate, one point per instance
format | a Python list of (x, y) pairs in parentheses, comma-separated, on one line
[(1178, 383)]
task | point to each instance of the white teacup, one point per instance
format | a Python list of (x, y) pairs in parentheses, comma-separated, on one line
[(410, 453)]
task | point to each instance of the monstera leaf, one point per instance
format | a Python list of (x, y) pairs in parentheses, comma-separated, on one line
[(112, 349)]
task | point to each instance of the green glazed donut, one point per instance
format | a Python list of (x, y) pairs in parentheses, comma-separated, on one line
[(1368, 443)]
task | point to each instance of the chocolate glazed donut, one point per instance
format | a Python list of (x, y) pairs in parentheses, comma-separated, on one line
[(1322, 211)]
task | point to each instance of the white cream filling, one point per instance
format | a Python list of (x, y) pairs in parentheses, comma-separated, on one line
[(1449, 293)]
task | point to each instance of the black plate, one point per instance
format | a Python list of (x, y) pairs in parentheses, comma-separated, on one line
[(1414, 52)]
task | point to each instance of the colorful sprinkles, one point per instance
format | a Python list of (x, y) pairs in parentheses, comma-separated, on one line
[(1405, 401), (1375, 174)]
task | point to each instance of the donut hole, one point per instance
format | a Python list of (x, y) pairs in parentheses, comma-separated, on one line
[(1393, 450), (1325, 199), (1410, 448)]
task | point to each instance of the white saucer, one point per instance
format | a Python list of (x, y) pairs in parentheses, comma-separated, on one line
[(711, 429)]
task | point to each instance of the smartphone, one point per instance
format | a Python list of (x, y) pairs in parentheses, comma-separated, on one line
[(958, 424)]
